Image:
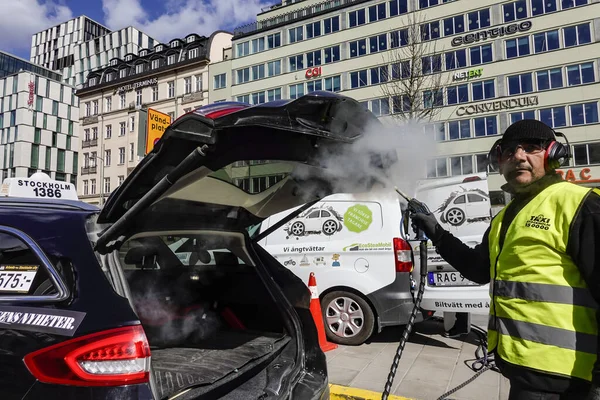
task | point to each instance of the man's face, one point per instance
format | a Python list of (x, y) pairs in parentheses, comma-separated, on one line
[(522, 163)]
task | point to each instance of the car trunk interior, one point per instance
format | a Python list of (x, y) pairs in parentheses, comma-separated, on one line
[(208, 316)]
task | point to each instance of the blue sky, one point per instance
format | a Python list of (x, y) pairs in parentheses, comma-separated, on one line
[(161, 19)]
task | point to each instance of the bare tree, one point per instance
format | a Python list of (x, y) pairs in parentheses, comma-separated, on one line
[(415, 83)]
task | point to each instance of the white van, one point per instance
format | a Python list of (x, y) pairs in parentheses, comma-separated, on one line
[(356, 246)]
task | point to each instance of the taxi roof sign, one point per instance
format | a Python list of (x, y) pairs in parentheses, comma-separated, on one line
[(38, 186)]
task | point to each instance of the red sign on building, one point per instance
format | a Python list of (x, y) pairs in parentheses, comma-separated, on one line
[(313, 72), (31, 94)]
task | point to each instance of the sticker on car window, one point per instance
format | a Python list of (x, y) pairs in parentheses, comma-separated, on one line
[(59, 322), (17, 278)]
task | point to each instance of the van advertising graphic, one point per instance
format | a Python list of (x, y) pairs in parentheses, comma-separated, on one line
[(358, 218), (465, 206), (368, 246), (317, 220)]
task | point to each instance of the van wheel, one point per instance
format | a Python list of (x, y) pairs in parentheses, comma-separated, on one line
[(297, 228), (348, 318), (329, 227), (455, 216)]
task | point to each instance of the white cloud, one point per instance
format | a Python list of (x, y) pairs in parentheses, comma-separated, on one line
[(182, 17), (20, 19)]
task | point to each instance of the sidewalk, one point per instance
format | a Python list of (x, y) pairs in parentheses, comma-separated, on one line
[(430, 366)]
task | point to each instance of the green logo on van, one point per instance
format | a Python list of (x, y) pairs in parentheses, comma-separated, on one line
[(358, 218)]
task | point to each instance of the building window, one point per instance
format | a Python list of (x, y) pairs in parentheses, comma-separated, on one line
[(296, 91), (274, 40), (586, 154), (171, 59), (428, 3), (312, 86), (92, 81), (55, 107), (243, 49), (121, 155), (313, 58), (539, 7), (155, 93), (550, 79), (379, 75), (437, 131), (454, 25), (95, 133), (107, 185), (433, 98), (518, 84), (518, 116), (380, 107), (92, 186), (88, 109), (155, 63), (138, 97), (580, 74), (131, 124), (358, 79), (483, 90), (333, 84), (295, 63), (545, 41), (108, 107), (273, 68), (572, 3), (456, 59), (576, 35), (245, 98), (108, 131), (457, 94), (258, 98), (123, 73), (86, 188), (399, 38), (582, 114), (122, 101), (131, 152), (518, 47), (358, 48), (295, 34), (376, 12), (187, 85), (199, 87), (139, 68), (332, 24), (274, 94), (485, 126), (122, 129), (430, 30), (121, 179), (437, 168), (479, 19), (461, 165), (171, 89), (431, 64), (107, 158), (86, 135), (193, 53), (258, 45), (220, 81), (357, 17), (313, 30), (514, 11), (398, 7), (481, 54), (258, 71), (331, 54), (459, 129), (378, 43), (401, 70), (554, 117)]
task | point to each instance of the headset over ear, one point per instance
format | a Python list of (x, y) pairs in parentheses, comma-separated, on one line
[(557, 154)]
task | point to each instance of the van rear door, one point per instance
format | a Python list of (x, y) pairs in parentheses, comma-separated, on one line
[(461, 205)]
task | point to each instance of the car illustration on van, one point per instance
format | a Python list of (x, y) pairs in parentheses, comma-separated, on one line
[(320, 261), (315, 220), (471, 205)]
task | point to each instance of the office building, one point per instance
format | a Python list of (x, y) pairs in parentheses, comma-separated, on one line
[(117, 101), (499, 61), (38, 121), (78, 46)]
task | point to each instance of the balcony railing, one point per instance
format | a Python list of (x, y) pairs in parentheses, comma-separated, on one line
[(88, 170), (89, 143), (292, 16)]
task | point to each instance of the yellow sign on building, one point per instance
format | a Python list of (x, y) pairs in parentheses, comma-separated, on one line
[(156, 124)]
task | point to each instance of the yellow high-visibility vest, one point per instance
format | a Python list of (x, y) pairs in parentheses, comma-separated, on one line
[(542, 315)]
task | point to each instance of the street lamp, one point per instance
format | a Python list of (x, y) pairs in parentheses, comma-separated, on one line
[(101, 177)]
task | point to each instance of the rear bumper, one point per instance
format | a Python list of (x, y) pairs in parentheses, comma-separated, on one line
[(311, 387), (394, 302), (42, 391)]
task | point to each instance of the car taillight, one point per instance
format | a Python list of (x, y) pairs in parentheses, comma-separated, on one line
[(403, 255), (113, 357)]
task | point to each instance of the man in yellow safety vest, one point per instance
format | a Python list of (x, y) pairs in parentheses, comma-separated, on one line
[(539, 256)]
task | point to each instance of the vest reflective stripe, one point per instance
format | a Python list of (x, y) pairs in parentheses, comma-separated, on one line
[(548, 335), (546, 292), (542, 315)]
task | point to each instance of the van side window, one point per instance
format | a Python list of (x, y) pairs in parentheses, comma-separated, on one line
[(325, 213), (460, 200), (21, 271), (314, 214), (474, 198)]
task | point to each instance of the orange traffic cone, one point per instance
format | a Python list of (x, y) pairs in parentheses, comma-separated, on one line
[(315, 310)]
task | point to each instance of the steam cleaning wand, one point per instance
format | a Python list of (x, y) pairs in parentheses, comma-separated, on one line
[(414, 206)]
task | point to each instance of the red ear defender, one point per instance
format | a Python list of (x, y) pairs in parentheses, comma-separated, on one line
[(550, 161)]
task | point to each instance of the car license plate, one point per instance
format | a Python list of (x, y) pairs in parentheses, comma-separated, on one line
[(449, 279), (17, 278)]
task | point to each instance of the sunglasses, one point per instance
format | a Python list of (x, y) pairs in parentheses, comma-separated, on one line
[(509, 149)]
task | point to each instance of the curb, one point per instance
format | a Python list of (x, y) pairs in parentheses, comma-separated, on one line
[(338, 392)]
